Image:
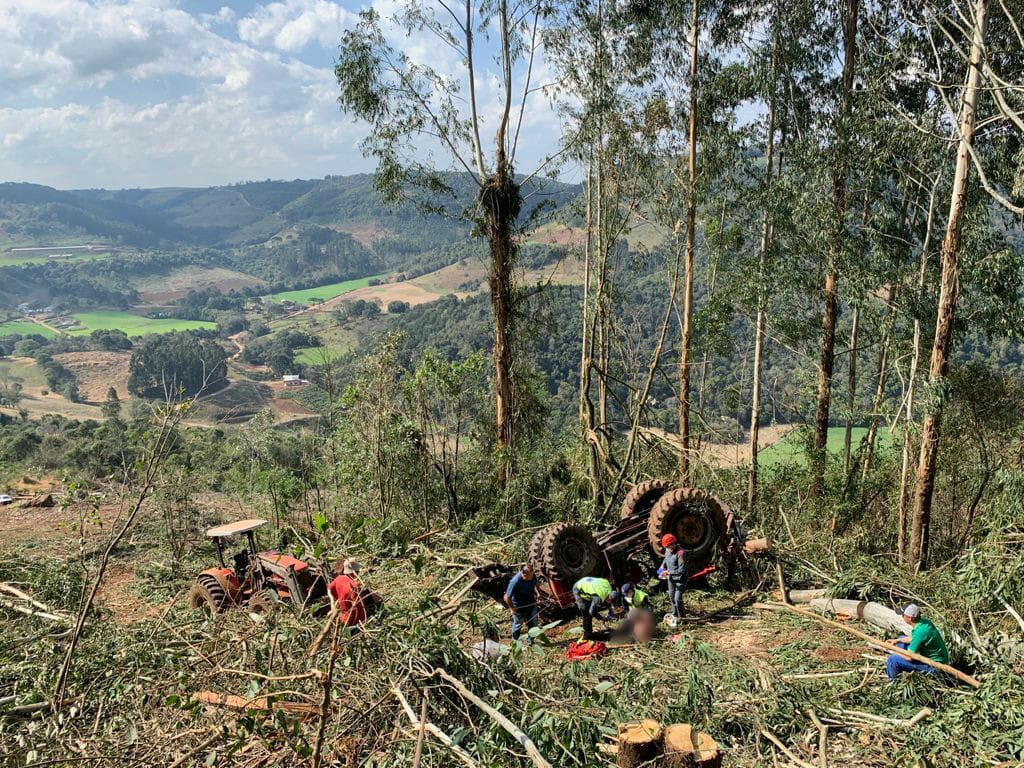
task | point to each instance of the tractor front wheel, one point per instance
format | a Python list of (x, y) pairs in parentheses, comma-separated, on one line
[(264, 601), (207, 593)]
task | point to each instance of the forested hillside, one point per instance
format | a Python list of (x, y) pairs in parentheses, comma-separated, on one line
[(711, 459)]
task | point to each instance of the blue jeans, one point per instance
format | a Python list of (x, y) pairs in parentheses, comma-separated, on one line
[(896, 665), (676, 590), (523, 616)]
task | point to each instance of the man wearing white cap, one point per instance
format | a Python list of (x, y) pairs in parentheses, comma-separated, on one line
[(924, 639)]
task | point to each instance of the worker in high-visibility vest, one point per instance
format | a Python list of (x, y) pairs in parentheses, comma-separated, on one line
[(635, 598), (594, 596), (639, 623)]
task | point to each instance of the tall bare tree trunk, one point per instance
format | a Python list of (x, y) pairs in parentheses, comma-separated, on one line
[(851, 391), (761, 322), (501, 201), (880, 378), (915, 358), (691, 226), (924, 485), (830, 312)]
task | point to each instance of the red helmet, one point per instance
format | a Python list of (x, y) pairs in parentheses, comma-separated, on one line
[(668, 540)]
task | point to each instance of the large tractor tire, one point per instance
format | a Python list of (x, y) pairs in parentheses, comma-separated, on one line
[(207, 593), (264, 601), (535, 553), (642, 498), (695, 518), (569, 552)]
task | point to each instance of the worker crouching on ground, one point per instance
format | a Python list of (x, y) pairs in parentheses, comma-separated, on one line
[(673, 569), (640, 617), (347, 595), (924, 639), (521, 599), (594, 597)]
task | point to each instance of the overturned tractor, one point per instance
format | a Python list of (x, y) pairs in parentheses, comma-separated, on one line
[(631, 551), (253, 578)]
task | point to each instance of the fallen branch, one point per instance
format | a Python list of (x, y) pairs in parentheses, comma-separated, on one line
[(872, 641), (785, 750), (197, 748), (12, 590), (13, 606), (260, 702), (500, 719), (1009, 609), (822, 739), (434, 731)]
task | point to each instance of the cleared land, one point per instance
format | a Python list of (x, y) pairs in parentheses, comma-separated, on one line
[(157, 289), (790, 450), (25, 327), (97, 372), (133, 325), (325, 292), (404, 291), (20, 259)]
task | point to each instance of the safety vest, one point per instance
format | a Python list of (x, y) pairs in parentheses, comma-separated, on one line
[(639, 598), (594, 587)]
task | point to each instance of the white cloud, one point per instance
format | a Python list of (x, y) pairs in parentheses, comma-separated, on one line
[(142, 93), (293, 24)]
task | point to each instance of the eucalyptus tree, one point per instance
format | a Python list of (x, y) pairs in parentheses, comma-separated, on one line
[(422, 115), (985, 117), (597, 49)]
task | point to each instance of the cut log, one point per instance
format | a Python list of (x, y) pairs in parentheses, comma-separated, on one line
[(687, 748), (873, 613), (757, 546), (41, 500), (638, 743), (801, 596)]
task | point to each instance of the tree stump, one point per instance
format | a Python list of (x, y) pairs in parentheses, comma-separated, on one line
[(686, 748), (638, 743)]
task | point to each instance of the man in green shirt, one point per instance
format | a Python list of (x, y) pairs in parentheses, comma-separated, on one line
[(924, 639)]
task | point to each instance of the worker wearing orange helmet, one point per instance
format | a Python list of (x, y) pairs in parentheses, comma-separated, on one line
[(673, 570)]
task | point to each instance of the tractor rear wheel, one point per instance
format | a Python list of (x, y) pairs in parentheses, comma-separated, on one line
[(694, 517), (264, 601), (642, 498), (207, 593), (535, 553), (569, 552)]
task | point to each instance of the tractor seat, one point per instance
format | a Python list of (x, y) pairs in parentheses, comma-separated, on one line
[(241, 561)]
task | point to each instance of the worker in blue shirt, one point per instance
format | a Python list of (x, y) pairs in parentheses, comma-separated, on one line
[(674, 570), (521, 599)]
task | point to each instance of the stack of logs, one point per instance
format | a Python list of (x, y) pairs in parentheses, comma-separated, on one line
[(677, 746)]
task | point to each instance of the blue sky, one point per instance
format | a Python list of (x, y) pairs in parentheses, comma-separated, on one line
[(107, 93)]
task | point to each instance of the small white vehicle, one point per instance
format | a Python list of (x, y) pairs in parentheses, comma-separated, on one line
[(5, 499)]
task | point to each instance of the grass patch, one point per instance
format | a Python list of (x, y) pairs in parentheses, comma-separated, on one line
[(26, 373), (790, 450), (325, 292), (133, 325), (25, 327), (16, 260)]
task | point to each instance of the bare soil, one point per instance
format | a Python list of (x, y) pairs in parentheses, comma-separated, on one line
[(97, 372), (163, 289)]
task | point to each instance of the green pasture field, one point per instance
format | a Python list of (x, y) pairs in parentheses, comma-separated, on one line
[(19, 260), (790, 450), (27, 373), (133, 325), (25, 327), (325, 292)]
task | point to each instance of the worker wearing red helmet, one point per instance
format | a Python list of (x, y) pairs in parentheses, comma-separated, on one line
[(673, 570)]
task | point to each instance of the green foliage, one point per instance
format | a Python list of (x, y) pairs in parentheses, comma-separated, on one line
[(163, 365)]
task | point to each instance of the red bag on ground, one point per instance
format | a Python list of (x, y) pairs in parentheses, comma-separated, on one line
[(584, 650)]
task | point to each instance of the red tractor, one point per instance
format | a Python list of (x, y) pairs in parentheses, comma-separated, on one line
[(631, 550), (256, 579)]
